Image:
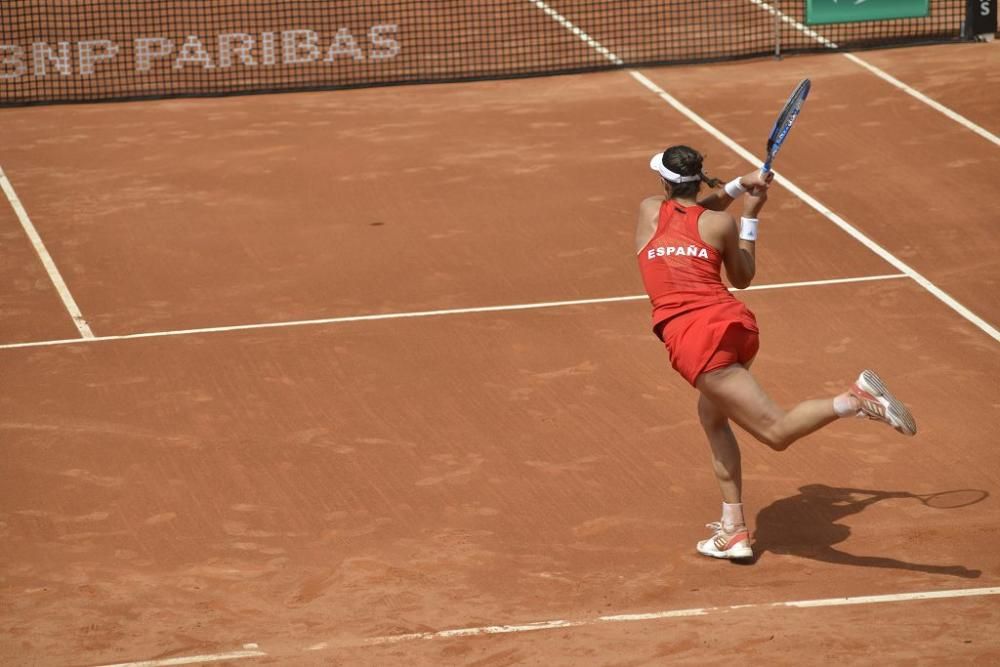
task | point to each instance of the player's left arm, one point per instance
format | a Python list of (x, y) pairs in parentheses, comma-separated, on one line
[(649, 213), (719, 200)]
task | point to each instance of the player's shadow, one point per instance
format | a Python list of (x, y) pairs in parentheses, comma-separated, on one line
[(806, 525)]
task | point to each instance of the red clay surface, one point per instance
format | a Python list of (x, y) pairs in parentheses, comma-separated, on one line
[(935, 71), (330, 483)]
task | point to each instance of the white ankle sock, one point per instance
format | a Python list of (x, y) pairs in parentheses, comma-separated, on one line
[(845, 405), (732, 516)]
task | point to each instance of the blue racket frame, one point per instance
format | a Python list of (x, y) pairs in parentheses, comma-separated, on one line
[(785, 121)]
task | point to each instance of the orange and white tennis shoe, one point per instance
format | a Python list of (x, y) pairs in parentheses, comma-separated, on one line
[(878, 404), (733, 545)]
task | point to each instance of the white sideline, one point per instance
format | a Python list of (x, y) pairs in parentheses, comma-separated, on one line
[(600, 620), (882, 74), (899, 264), (43, 254), (423, 313)]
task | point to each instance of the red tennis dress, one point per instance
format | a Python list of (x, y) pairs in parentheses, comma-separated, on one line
[(702, 324)]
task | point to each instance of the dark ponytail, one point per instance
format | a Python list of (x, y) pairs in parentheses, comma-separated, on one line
[(686, 161)]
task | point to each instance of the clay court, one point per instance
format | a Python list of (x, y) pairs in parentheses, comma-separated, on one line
[(365, 376)]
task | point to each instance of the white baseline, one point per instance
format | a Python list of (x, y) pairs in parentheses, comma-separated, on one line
[(560, 624), (899, 264), (194, 659)]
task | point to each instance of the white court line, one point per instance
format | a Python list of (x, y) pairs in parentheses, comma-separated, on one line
[(808, 604), (661, 615), (882, 74), (597, 621), (587, 39), (43, 254), (193, 659), (899, 264), (425, 313)]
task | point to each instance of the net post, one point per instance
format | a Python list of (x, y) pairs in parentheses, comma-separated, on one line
[(777, 28), (980, 20)]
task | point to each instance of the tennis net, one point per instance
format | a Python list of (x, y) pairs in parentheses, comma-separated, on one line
[(90, 50)]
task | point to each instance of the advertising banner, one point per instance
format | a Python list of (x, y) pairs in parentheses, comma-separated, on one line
[(846, 11)]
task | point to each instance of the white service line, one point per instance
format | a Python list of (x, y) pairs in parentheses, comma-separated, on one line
[(882, 74), (43, 254), (899, 264), (424, 313)]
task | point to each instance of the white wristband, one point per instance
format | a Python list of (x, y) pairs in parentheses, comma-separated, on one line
[(748, 229), (734, 188)]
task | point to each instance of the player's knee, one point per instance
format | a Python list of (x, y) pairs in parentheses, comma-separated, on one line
[(771, 432), (777, 441)]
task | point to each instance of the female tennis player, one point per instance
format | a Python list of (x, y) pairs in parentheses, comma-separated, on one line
[(682, 243)]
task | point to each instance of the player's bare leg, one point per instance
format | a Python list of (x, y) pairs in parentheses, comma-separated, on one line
[(725, 451), (732, 392), (735, 391), (730, 538)]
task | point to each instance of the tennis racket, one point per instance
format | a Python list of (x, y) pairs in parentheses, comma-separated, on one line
[(784, 123)]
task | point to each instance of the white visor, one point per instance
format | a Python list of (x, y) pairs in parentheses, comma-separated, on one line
[(656, 164)]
